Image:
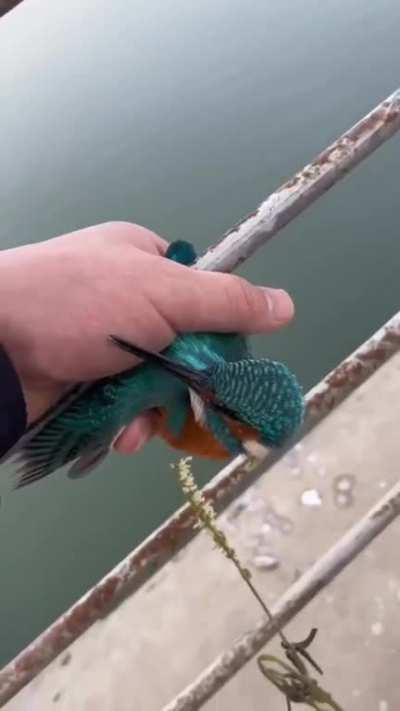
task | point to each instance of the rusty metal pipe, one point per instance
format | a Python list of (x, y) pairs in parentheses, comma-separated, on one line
[(294, 599), (305, 187)]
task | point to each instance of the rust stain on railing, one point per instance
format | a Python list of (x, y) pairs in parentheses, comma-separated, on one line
[(353, 370)]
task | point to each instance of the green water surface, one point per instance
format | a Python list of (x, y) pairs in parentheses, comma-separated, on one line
[(183, 116)]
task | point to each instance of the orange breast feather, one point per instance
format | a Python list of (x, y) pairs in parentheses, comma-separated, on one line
[(195, 439)]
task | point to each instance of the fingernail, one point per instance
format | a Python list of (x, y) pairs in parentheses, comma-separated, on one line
[(280, 305), (142, 439), (133, 437)]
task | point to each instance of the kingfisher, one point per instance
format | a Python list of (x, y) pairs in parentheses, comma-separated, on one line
[(210, 398)]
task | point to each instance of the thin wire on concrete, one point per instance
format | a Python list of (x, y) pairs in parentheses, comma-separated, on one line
[(279, 209), (296, 597)]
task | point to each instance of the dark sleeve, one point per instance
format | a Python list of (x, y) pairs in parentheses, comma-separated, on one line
[(12, 405)]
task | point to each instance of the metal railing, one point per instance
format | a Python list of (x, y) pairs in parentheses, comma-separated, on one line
[(7, 5), (274, 213), (329, 565)]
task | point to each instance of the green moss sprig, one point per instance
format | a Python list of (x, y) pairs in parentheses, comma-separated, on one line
[(291, 676)]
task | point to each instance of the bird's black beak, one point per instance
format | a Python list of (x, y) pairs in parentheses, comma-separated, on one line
[(195, 379)]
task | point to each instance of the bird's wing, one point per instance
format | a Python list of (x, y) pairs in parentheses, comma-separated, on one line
[(197, 380), (36, 427)]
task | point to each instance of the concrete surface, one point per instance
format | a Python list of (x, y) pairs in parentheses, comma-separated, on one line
[(158, 640)]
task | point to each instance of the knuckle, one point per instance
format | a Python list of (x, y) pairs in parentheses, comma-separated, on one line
[(138, 235), (116, 227), (244, 298)]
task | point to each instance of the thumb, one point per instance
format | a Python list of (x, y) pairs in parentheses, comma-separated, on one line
[(225, 302)]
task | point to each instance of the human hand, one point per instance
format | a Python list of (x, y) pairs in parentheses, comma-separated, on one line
[(61, 298)]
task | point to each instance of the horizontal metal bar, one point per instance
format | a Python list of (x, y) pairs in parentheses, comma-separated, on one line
[(295, 599), (281, 207)]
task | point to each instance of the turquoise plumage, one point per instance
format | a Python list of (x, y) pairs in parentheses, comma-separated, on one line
[(205, 386)]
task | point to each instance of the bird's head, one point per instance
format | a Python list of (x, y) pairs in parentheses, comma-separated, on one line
[(262, 394), (182, 252)]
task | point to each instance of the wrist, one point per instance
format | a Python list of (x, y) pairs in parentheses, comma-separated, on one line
[(8, 338), (8, 287), (13, 411)]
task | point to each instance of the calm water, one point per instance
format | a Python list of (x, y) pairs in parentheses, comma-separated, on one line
[(183, 116)]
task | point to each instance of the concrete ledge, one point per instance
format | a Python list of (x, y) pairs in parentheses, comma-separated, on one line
[(157, 641)]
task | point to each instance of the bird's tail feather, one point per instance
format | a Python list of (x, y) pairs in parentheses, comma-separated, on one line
[(51, 450), (87, 461)]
